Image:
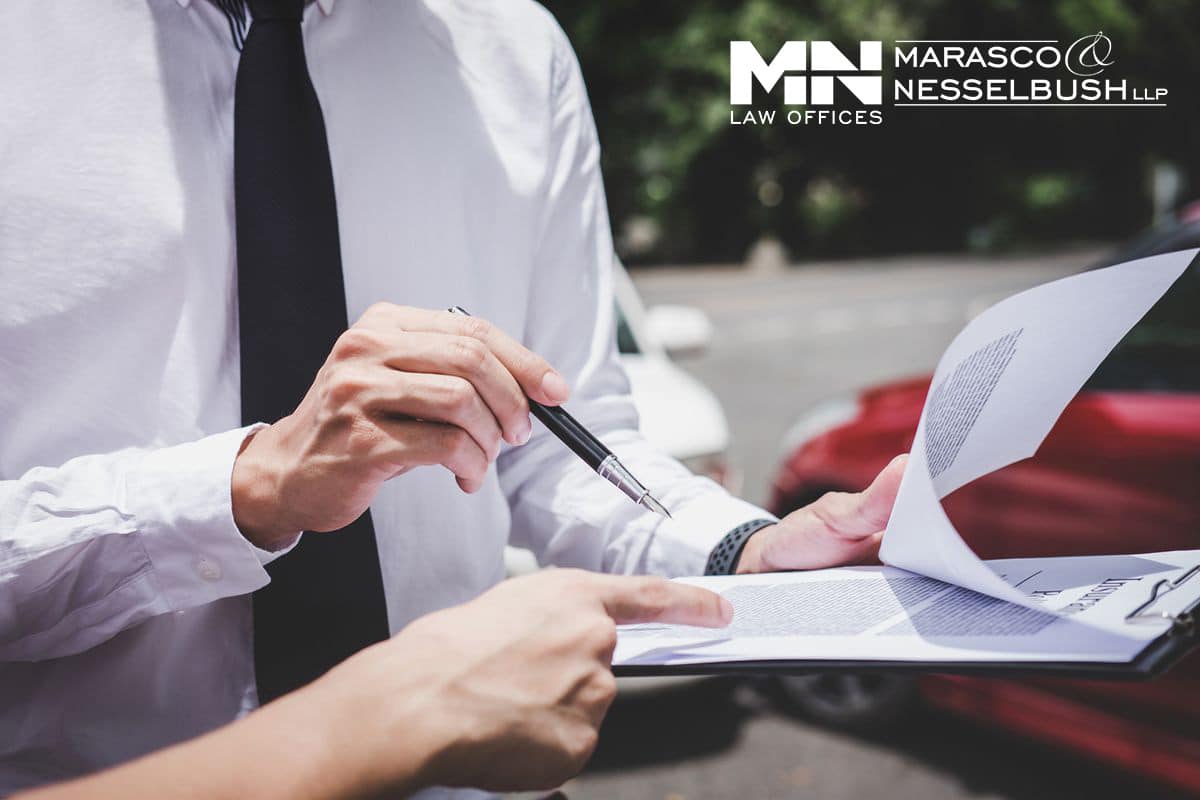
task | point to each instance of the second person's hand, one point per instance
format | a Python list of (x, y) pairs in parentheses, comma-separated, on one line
[(506, 692)]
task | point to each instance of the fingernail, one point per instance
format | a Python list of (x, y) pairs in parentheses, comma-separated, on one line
[(555, 387), (726, 611), (524, 431)]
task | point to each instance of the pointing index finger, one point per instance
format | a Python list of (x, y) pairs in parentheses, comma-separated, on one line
[(628, 600)]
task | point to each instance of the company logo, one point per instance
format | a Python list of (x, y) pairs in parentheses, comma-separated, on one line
[(746, 65), (1088, 56), (821, 86)]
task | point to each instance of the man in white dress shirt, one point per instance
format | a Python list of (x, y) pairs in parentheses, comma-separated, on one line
[(466, 165)]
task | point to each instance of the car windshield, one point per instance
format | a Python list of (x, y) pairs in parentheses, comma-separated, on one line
[(626, 342), (1162, 352)]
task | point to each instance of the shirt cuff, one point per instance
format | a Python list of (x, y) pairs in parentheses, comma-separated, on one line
[(687, 539), (267, 556), (181, 501)]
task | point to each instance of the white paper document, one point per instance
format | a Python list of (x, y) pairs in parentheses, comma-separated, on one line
[(996, 393)]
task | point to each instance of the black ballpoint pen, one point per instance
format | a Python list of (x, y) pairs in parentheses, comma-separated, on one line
[(590, 449)]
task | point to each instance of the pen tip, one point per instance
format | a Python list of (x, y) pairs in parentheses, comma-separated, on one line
[(649, 502)]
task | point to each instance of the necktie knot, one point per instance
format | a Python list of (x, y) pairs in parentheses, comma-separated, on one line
[(281, 10)]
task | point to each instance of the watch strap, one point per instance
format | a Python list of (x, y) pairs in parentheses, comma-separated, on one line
[(723, 559)]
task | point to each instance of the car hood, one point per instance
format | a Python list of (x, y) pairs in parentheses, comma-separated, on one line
[(678, 414), (904, 392)]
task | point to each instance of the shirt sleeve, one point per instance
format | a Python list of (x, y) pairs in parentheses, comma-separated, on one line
[(561, 509), (104, 542)]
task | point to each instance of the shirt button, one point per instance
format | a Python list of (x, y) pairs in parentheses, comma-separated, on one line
[(208, 570)]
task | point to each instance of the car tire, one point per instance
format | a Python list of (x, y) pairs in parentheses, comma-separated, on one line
[(852, 701)]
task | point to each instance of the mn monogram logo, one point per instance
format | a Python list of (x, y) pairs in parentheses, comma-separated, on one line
[(828, 67)]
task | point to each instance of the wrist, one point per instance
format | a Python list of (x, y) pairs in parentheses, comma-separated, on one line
[(324, 747), (380, 746), (254, 490), (728, 556), (752, 558)]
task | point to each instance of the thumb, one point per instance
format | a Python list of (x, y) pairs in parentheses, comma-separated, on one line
[(876, 501), (628, 600), (855, 516)]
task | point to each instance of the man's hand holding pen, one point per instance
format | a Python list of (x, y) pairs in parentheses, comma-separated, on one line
[(403, 387), (407, 387)]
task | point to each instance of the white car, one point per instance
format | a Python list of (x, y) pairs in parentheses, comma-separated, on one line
[(678, 413)]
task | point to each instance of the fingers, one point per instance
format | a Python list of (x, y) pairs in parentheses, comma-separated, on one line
[(435, 398), (862, 514), (465, 357), (412, 443), (535, 376), (628, 600), (595, 697), (869, 554)]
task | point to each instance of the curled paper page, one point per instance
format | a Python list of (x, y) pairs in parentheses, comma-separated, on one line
[(998, 390), (996, 393)]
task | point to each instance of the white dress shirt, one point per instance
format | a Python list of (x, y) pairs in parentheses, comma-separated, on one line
[(467, 171)]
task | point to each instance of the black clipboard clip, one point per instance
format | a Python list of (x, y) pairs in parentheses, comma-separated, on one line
[(1183, 623)]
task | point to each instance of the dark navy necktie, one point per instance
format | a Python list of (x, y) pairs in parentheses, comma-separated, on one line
[(325, 600)]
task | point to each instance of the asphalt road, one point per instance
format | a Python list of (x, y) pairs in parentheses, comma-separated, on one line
[(786, 341)]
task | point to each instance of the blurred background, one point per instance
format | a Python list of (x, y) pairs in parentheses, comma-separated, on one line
[(789, 290), (686, 186)]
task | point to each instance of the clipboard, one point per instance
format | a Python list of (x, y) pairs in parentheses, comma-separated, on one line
[(1159, 655)]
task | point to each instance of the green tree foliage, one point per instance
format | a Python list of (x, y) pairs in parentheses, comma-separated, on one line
[(658, 75)]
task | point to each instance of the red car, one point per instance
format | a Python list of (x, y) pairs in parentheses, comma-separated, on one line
[(1119, 473)]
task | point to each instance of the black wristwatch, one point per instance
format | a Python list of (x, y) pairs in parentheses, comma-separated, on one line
[(723, 559)]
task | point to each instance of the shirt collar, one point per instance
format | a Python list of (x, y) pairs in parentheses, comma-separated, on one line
[(326, 5)]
